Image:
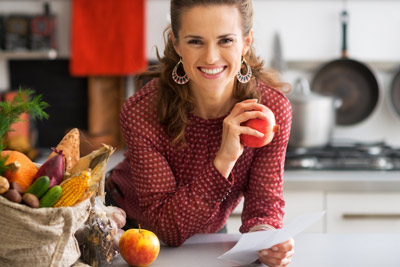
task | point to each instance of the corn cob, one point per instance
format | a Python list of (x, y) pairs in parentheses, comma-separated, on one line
[(92, 159), (98, 167), (86, 195), (73, 189), (97, 162)]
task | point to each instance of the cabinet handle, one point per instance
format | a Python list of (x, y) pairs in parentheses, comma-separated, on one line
[(352, 216)]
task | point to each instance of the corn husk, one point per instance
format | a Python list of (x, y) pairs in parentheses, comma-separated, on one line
[(70, 148)]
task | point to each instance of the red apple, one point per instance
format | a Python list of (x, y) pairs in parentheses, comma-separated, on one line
[(139, 247), (268, 127)]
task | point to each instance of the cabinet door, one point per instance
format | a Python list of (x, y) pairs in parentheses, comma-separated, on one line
[(297, 203), (363, 213), (235, 219), (300, 202), (234, 223)]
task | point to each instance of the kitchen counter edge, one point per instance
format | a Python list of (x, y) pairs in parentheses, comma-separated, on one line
[(342, 181)]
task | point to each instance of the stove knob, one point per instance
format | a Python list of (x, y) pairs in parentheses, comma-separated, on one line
[(382, 164)]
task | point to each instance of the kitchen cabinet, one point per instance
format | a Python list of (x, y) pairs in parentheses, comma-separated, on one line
[(359, 212), (355, 201), (234, 220), (297, 203), (300, 202)]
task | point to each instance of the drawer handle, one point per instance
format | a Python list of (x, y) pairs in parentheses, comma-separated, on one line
[(352, 216)]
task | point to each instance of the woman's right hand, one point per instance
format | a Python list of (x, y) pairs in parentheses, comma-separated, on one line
[(231, 148)]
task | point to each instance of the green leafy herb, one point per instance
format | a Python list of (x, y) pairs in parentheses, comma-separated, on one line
[(2, 164), (23, 102)]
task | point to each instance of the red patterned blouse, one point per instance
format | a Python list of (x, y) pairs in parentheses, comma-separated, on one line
[(179, 193)]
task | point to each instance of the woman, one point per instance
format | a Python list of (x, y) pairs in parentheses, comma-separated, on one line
[(185, 169)]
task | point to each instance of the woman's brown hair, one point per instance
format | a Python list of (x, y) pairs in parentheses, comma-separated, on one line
[(174, 101)]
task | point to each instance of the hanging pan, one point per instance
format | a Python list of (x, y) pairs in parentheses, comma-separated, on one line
[(395, 92), (349, 80)]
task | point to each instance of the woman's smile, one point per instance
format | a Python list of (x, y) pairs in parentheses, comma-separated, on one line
[(212, 72)]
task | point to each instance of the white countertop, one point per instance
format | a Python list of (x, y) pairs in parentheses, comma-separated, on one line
[(339, 175), (311, 250), (342, 180)]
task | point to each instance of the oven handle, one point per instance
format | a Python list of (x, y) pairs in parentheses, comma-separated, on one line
[(366, 216)]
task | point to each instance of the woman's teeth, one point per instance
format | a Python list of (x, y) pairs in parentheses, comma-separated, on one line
[(212, 71)]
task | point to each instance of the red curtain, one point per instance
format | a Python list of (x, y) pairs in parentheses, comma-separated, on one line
[(108, 37)]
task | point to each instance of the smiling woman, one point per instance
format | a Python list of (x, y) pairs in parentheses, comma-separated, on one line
[(212, 52), (185, 168)]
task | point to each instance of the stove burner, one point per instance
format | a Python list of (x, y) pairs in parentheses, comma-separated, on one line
[(345, 156)]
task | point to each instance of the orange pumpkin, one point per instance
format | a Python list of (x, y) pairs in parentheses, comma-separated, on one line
[(21, 169)]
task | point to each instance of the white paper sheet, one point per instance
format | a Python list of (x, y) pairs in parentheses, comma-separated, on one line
[(245, 250)]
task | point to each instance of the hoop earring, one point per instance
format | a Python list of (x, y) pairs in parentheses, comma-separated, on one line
[(245, 78), (179, 79)]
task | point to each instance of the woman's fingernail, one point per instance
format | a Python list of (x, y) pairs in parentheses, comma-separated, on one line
[(264, 253), (275, 249)]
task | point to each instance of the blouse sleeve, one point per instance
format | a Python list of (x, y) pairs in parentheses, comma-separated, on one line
[(173, 212), (264, 204)]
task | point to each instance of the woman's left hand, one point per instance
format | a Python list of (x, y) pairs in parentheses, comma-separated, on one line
[(279, 255)]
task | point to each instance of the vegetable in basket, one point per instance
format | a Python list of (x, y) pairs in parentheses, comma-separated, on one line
[(19, 168), (54, 168)]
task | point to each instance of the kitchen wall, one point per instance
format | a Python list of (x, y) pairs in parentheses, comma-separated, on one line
[(310, 34)]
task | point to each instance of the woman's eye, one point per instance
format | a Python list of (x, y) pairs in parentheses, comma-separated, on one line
[(194, 42), (226, 41)]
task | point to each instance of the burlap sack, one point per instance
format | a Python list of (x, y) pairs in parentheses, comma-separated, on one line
[(40, 237)]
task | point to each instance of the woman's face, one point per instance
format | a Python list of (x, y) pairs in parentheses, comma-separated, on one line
[(211, 45)]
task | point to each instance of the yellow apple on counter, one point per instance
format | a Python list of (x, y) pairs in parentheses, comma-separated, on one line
[(139, 247)]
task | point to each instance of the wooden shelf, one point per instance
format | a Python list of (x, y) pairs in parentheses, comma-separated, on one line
[(313, 65), (48, 54)]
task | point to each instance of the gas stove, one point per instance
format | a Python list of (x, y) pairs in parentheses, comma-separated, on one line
[(345, 156)]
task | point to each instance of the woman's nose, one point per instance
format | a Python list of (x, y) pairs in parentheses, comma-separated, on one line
[(211, 54)]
